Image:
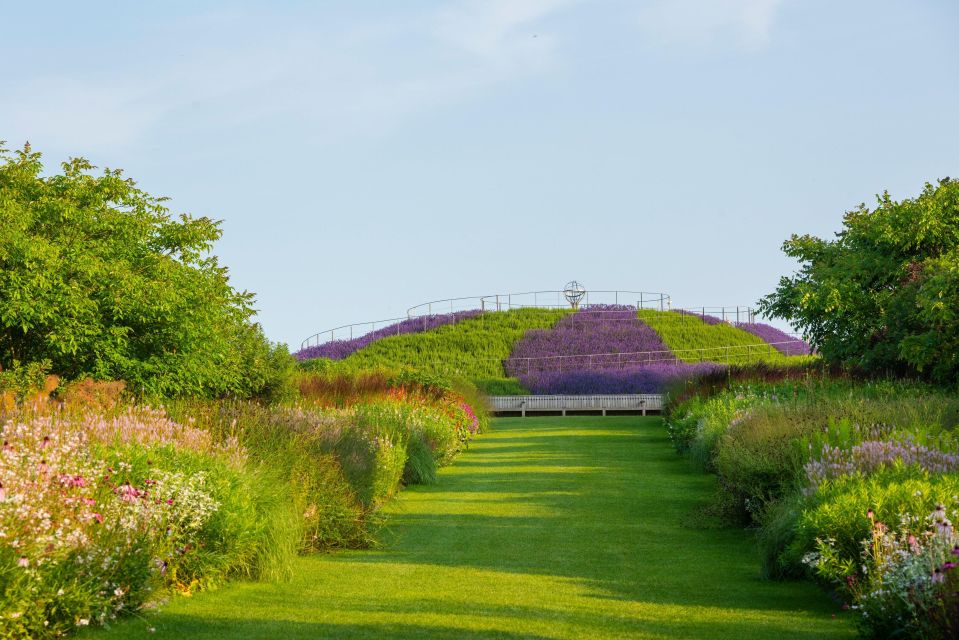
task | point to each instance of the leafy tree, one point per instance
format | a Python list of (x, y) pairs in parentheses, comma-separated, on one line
[(884, 295), (98, 279)]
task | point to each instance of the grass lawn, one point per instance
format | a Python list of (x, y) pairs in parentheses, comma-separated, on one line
[(546, 528)]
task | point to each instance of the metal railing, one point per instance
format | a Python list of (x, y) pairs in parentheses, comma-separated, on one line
[(731, 315), (563, 403), (351, 331), (492, 302), (721, 355), (557, 300)]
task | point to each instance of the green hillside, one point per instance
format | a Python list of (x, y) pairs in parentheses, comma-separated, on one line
[(687, 335), (473, 348)]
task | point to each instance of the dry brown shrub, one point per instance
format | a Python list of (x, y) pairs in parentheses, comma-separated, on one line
[(101, 395), (343, 389)]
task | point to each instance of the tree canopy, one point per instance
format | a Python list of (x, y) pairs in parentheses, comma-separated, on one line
[(884, 294), (98, 279)]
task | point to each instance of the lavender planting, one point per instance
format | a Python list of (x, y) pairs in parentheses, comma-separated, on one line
[(781, 341), (649, 378), (872, 455), (597, 337), (340, 349)]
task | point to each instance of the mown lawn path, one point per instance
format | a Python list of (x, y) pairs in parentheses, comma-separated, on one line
[(546, 528)]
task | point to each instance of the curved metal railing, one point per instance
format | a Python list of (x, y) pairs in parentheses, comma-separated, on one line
[(557, 300), (549, 300), (491, 302), (720, 355)]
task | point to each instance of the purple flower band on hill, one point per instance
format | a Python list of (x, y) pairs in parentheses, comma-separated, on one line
[(340, 349), (653, 378), (574, 341), (781, 341)]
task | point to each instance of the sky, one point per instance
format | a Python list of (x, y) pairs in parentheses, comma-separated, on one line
[(367, 156)]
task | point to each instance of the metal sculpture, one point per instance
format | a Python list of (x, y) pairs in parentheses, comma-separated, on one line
[(574, 293)]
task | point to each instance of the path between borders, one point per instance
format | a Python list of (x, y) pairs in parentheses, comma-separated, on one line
[(547, 528)]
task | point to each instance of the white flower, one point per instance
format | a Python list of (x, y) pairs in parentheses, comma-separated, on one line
[(82, 622)]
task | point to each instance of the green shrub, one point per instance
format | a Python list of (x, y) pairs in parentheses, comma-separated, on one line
[(838, 513), (294, 450), (883, 294), (758, 459), (421, 465), (501, 387), (99, 280)]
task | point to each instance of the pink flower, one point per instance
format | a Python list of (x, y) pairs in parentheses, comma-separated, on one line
[(73, 481), (97, 517), (23, 562), (3, 493), (128, 492)]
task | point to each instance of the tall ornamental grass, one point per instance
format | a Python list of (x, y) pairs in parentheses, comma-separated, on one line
[(853, 484), (105, 510)]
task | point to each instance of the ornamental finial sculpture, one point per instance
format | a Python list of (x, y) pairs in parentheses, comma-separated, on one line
[(574, 292)]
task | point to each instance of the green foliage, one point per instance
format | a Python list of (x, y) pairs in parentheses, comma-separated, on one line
[(98, 279), (685, 334), (552, 528), (474, 348), (884, 295), (421, 466), (762, 440), (292, 452), (839, 512), (501, 387), (20, 380)]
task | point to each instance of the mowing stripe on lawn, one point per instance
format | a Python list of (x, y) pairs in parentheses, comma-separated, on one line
[(577, 527)]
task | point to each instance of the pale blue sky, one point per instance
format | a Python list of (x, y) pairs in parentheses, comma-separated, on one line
[(367, 156)]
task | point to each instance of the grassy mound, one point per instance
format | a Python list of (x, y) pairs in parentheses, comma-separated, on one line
[(694, 340), (474, 348)]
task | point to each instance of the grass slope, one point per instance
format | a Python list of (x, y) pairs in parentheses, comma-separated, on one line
[(684, 333), (546, 528), (473, 348)]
